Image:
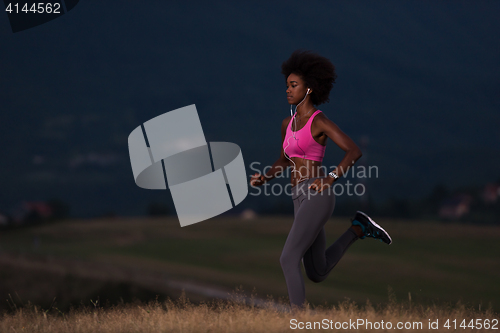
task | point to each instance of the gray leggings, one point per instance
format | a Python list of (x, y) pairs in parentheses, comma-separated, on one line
[(307, 240)]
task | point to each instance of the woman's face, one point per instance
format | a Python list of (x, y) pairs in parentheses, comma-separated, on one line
[(295, 89)]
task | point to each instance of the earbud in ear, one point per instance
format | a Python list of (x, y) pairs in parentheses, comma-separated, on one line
[(307, 91)]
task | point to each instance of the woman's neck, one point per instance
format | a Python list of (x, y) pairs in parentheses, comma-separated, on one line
[(305, 110)]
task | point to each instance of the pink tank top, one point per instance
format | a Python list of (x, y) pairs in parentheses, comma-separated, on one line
[(303, 145)]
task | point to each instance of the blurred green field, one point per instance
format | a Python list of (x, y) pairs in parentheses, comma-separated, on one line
[(432, 262)]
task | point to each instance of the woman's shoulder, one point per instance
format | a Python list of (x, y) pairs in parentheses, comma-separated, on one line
[(321, 117), (284, 124), (286, 121), (321, 121), (320, 114)]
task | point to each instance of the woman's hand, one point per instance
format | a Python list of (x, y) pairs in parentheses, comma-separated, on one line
[(258, 180), (322, 183)]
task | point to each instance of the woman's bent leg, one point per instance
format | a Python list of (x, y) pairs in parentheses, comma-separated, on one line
[(318, 263), (312, 210)]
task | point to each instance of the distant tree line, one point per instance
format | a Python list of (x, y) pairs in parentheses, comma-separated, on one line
[(30, 213), (473, 204)]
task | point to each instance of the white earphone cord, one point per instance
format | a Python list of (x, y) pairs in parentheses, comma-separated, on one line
[(301, 178)]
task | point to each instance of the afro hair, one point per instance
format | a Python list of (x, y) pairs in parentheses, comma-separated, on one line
[(317, 72)]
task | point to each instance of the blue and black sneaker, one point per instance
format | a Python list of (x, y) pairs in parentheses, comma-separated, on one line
[(370, 228)]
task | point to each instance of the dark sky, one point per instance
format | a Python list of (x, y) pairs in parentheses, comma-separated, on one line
[(419, 79)]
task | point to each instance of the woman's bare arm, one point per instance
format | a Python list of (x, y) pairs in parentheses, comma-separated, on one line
[(352, 151)]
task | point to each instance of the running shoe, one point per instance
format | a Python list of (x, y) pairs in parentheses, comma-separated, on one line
[(370, 228)]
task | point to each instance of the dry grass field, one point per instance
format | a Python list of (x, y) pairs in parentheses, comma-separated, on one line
[(101, 275), (232, 316)]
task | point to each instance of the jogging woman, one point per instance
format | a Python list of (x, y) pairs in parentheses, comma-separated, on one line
[(309, 80)]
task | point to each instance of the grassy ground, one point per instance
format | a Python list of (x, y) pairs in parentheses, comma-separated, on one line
[(228, 316), (428, 263)]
